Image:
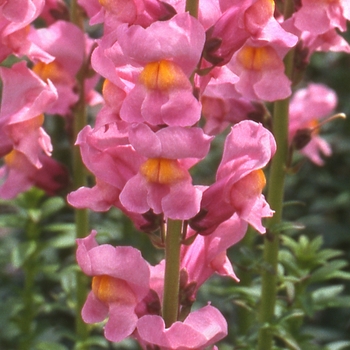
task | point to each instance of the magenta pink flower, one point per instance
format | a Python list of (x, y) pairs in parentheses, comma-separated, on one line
[(163, 182), (239, 180), (200, 329), (120, 281), (307, 107)]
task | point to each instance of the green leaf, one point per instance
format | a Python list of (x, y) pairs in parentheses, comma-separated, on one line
[(338, 345), (329, 271), (286, 226), (45, 345), (22, 252), (52, 206), (328, 293)]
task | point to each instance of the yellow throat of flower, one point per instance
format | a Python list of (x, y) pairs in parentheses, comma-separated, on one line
[(163, 171)]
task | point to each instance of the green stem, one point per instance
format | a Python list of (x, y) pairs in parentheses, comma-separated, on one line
[(30, 271), (275, 199), (192, 7), (172, 272), (81, 216), (244, 315)]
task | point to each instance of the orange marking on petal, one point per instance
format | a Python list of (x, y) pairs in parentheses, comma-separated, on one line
[(257, 58), (163, 171), (52, 71), (248, 187), (163, 75), (112, 290)]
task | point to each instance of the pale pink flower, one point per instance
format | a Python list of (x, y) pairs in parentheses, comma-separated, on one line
[(24, 98), (18, 175), (120, 282), (207, 254), (199, 330), (320, 16), (155, 79), (163, 182), (66, 43), (239, 180), (308, 106)]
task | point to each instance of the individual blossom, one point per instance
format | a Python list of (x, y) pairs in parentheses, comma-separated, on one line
[(15, 20), (201, 328), (67, 44), (307, 108), (207, 254), (107, 153), (120, 281), (247, 20), (163, 182), (24, 99), (261, 74), (18, 175), (158, 61), (222, 105), (319, 16), (239, 180), (113, 13)]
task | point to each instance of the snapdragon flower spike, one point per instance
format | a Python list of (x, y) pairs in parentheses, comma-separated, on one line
[(307, 107), (201, 329), (165, 55), (163, 182), (24, 98), (120, 280), (239, 180)]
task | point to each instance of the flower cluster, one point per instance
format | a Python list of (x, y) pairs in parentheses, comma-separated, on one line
[(171, 83)]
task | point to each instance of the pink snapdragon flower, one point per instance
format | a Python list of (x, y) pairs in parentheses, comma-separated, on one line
[(260, 69), (67, 44), (319, 16), (24, 98), (15, 20), (239, 180), (201, 329), (120, 281), (307, 107), (207, 254), (106, 152), (221, 103), (163, 182), (159, 76), (113, 13), (248, 19), (18, 175)]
